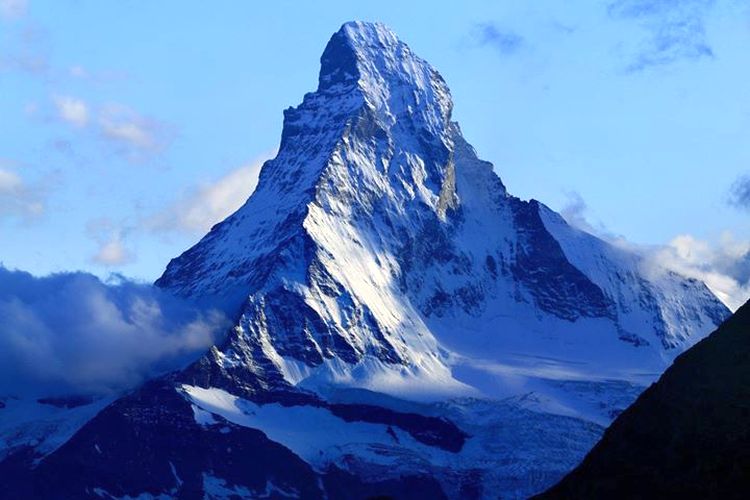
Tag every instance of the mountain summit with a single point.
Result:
(403, 325)
(378, 250)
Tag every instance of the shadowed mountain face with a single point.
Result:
(687, 436)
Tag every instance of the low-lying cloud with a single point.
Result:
(70, 333)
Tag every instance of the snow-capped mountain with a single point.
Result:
(378, 249)
(404, 325)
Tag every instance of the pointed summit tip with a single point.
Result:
(351, 47)
(369, 33)
(370, 57)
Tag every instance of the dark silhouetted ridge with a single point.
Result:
(687, 436)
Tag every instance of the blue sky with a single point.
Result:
(128, 127)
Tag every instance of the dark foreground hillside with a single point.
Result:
(687, 436)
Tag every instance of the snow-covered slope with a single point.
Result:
(378, 251)
(403, 323)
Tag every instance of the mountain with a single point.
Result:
(403, 325)
(687, 436)
(378, 249)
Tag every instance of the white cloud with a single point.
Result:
(72, 110)
(724, 266)
(112, 251)
(78, 71)
(11, 9)
(18, 198)
(135, 136)
(210, 203)
(71, 333)
(9, 181)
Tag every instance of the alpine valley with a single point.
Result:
(403, 326)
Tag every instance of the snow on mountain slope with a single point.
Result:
(403, 325)
(378, 251)
(39, 426)
(509, 449)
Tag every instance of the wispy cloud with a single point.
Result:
(12, 9)
(575, 213)
(72, 334)
(675, 30)
(135, 137)
(82, 73)
(72, 110)
(27, 51)
(18, 197)
(192, 214)
(739, 193)
(505, 41)
(208, 204)
(112, 252)
(110, 237)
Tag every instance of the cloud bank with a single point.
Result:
(71, 333)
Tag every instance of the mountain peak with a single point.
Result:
(362, 33)
(377, 244)
(354, 47)
(395, 82)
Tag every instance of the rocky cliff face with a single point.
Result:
(401, 321)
